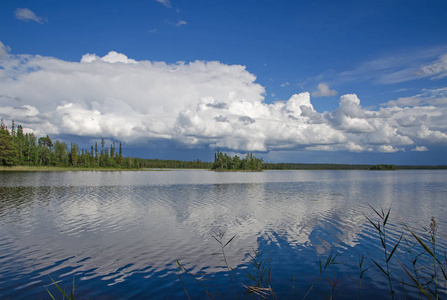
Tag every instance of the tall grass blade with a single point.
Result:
(380, 215)
(386, 218)
(383, 242)
(52, 297)
(381, 269)
(64, 294)
(73, 289)
(329, 261)
(229, 241)
(219, 237)
(177, 264)
(394, 249)
(373, 224)
(416, 282)
(420, 241)
(198, 281)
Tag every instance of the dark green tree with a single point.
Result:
(223, 161)
(20, 143)
(45, 144)
(8, 149)
(119, 159)
(74, 154)
(30, 150)
(60, 153)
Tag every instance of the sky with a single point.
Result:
(357, 82)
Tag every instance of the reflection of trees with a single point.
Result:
(16, 203)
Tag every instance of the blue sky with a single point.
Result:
(314, 81)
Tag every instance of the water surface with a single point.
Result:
(119, 233)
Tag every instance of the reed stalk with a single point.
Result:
(64, 294)
(381, 229)
(430, 288)
(219, 238)
(261, 276)
(198, 281)
(329, 261)
(362, 271)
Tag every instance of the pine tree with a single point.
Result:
(96, 153)
(45, 145)
(60, 153)
(120, 155)
(74, 154)
(8, 149)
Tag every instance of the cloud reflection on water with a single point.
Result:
(107, 227)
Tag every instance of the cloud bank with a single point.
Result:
(201, 104)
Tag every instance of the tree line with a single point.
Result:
(383, 168)
(25, 149)
(223, 161)
(316, 166)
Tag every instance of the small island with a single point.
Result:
(223, 162)
(383, 168)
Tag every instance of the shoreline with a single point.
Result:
(59, 169)
(98, 169)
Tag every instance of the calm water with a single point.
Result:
(119, 233)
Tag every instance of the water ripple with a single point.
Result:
(120, 233)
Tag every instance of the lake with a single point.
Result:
(119, 234)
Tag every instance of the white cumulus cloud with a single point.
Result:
(387, 149)
(324, 91)
(199, 104)
(420, 149)
(111, 57)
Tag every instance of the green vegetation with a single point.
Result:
(439, 167)
(223, 162)
(19, 149)
(24, 152)
(63, 293)
(297, 166)
(383, 168)
(61, 169)
(381, 229)
(173, 164)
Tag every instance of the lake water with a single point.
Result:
(118, 234)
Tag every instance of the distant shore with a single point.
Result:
(59, 169)
(296, 167)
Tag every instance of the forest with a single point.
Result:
(24, 149)
(383, 168)
(224, 162)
